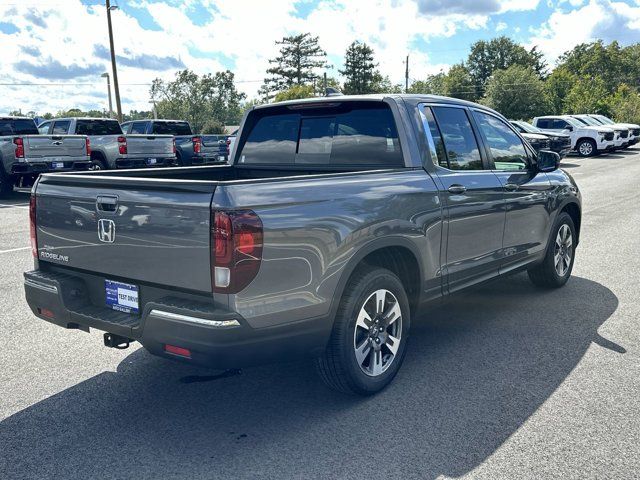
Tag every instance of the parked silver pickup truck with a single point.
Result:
(336, 222)
(24, 154)
(111, 148)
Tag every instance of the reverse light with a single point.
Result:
(32, 226)
(19, 143)
(197, 144)
(236, 242)
(122, 145)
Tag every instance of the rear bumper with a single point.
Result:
(144, 162)
(208, 159)
(214, 336)
(37, 167)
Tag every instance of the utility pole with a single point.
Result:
(116, 88)
(324, 84)
(406, 76)
(106, 75)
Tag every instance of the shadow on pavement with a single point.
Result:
(478, 366)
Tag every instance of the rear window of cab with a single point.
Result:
(349, 133)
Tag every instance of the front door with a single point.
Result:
(527, 191)
(473, 198)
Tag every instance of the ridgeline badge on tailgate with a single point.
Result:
(106, 230)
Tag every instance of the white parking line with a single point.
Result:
(14, 250)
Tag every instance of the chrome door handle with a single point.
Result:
(511, 186)
(457, 189)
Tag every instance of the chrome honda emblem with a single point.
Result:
(106, 230)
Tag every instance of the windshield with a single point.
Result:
(589, 121)
(98, 127)
(604, 120)
(572, 121)
(528, 128)
(19, 126)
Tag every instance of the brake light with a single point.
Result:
(88, 147)
(32, 226)
(236, 241)
(122, 145)
(19, 143)
(197, 144)
(174, 146)
(228, 146)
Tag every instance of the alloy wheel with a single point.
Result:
(563, 251)
(377, 336)
(586, 149)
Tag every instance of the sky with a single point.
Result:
(54, 51)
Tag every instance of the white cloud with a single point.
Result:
(501, 26)
(599, 19)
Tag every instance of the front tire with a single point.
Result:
(555, 269)
(370, 334)
(586, 147)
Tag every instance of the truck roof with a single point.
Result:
(375, 97)
(101, 119)
(13, 117)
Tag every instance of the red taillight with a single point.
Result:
(197, 144)
(45, 312)
(32, 226)
(183, 352)
(19, 143)
(236, 240)
(174, 146)
(122, 145)
(88, 147)
(228, 146)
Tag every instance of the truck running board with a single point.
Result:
(116, 341)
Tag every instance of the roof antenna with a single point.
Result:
(332, 92)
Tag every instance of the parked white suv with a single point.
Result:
(621, 135)
(585, 140)
(634, 129)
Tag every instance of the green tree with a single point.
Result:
(588, 95)
(498, 54)
(625, 105)
(597, 61)
(432, 85)
(300, 57)
(212, 127)
(360, 69)
(517, 92)
(557, 87)
(458, 83)
(137, 115)
(198, 99)
(295, 92)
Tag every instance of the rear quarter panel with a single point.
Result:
(314, 228)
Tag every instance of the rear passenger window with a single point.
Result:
(458, 138)
(438, 153)
(339, 135)
(507, 150)
(61, 128)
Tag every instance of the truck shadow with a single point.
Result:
(478, 367)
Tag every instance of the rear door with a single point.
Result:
(473, 197)
(527, 191)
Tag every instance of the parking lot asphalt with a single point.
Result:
(506, 381)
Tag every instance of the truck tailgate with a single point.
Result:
(145, 145)
(124, 228)
(39, 146)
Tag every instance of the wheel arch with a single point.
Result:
(573, 210)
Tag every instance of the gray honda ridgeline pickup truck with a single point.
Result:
(337, 219)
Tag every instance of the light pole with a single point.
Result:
(113, 61)
(106, 75)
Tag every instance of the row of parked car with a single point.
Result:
(68, 144)
(587, 134)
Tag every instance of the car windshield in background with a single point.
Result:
(589, 121)
(171, 128)
(605, 120)
(361, 134)
(572, 121)
(21, 126)
(527, 127)
(98, 127)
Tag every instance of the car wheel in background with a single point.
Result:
(586, 147)
(370, 333)
(555, 269)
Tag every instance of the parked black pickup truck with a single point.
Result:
(337, 221)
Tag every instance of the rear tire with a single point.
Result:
(555, 269)
(586, 147)
(97, 163)
(370, 334)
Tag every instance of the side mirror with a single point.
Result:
(569, 128)
(548, 161)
